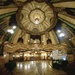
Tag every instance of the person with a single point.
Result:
(10, 66)
(71, 68)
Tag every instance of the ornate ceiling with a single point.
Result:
(36, 18)
(11, 48)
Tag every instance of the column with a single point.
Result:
(17, 34)
(44, 41)
(53, 37)
(26, 38)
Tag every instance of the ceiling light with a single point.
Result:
(14, 27)
(10, 31)
(4, 55)
(34, 41)
(69, 39)
(36, 18)
(35, 52)
(13, 55)
(58, 31)
(61, 35)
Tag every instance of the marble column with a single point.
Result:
(17, 34)
(53, 37)
(26, 38)
(65, 4)
(44, 41)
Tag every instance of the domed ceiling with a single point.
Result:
(36, 17)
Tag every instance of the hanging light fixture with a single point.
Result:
(36, 21)
(36, 18)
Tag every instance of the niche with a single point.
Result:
(20, 40)
(49, 41)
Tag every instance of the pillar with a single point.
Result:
(53, 37)
(26, 38)
(44, 41)
(17, 34)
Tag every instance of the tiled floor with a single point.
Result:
(36, 68)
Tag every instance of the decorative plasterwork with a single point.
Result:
(37, 14)
(36, 18)
(34, 47)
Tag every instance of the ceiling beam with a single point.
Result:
(67, 23)
(6, 15)
(7, 10)
(67, 18)
(68, 4)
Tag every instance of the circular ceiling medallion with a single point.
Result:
(36, 18)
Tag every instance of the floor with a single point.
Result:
(36, 68)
